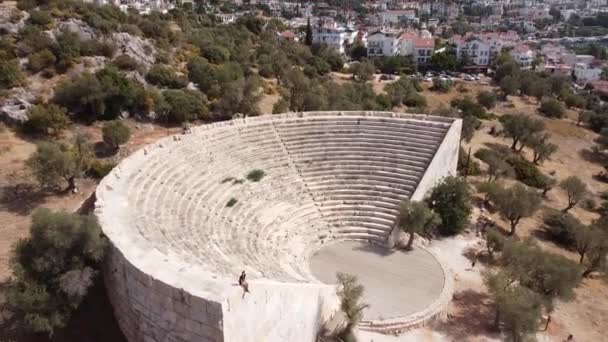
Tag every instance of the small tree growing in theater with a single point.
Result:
(350, 293)
(53, 269)
(516, 203)
(115, 133)
(416, 217)
(451, 200)
(576, 190)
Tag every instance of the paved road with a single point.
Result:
(396, 282)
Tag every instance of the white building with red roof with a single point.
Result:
(423, 50)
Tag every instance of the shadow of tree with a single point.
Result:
(593, 157)
(471, 314)
(94, 321)
(102, 150)
(378, 250)
(21, 198)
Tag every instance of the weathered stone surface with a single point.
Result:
(13, 109)
(11, 19)
(82, 29)
(329, 176)
(140, 49)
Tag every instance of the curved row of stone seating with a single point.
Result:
(345, 162)
(326, 178)
(217, 204)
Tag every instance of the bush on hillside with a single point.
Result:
(53, 269)
(552, 108)
(46, 119)
(115, 133)
(562, 226)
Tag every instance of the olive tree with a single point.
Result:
(451, 200)
(549, 276)
(576, 190)
(515, 203)
(350, 292)
(415, 217)
(598, 250)
(542, 149)
(53, 269)
(115, 133)
(520, 128)
(46, 119)
(487, 99)
(546, 184)
(517, 307)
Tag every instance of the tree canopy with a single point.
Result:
(451, 200)
(53, 269)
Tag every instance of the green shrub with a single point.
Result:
(41, 60)
(487, 99)
(552, 108)
(561, 226)
(573, 100)
(125, 62)
(165, 76)
(451, 200)
(100, 169)
(10, 74)
(185, 105)
(115, 133)
(53, 269)
(442, 86)
(41, 19)
(255, 175)
(526, 172)
(413, 99)
(474, 169)
(46, 119)
(231, 202)
(227, 179)
(238, 181)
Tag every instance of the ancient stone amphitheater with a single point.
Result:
(178, 247)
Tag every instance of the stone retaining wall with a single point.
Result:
(149, 310)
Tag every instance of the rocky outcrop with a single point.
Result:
(82, 29)
(140, 49)
(13, 109)
(11, 19)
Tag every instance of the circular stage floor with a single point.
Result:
(397, 283)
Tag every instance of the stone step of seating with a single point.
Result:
(327, 153)
(380, 137)
(292, 129)
(426, 148)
